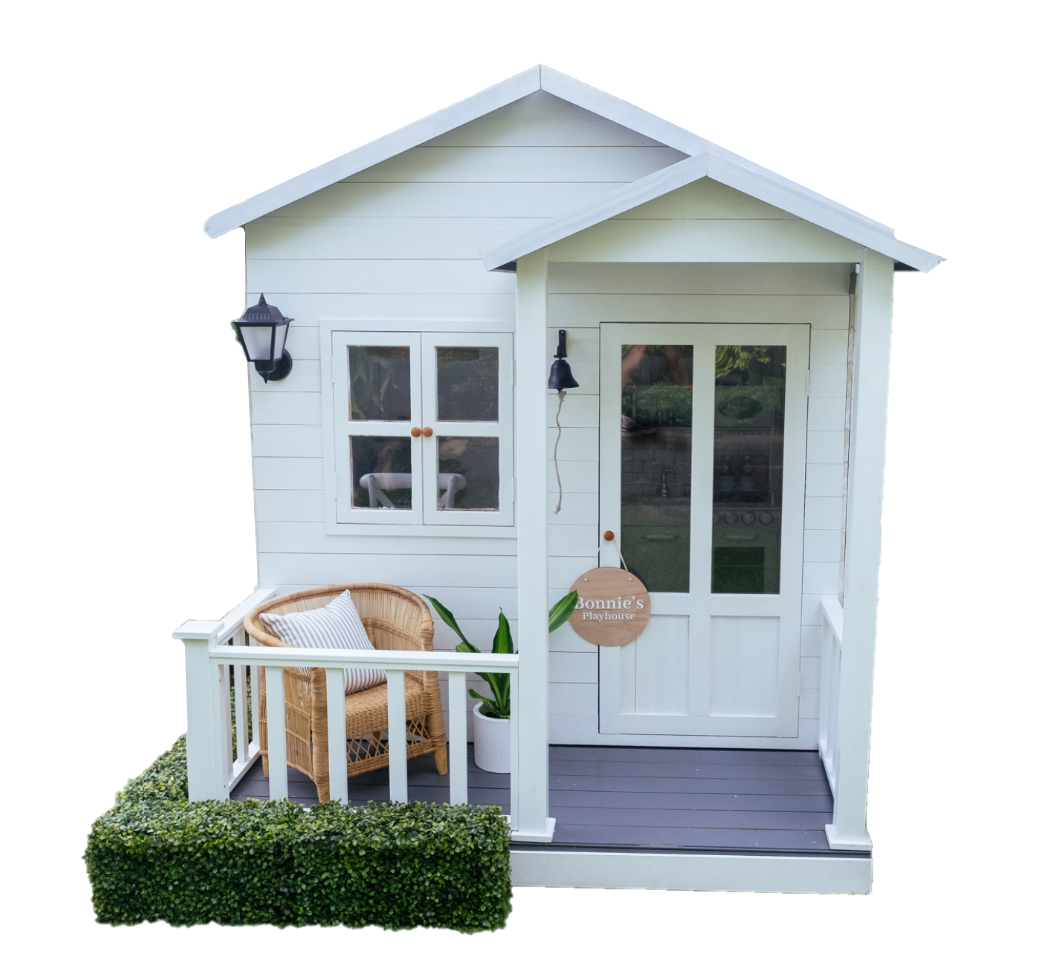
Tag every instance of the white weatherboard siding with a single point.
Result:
(583, 295)
(400, 241)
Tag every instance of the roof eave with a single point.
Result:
(427, 128)
(747, 179)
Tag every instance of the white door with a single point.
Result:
(702, 482)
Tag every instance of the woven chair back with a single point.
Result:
(394, 618)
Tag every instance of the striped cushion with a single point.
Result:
(336, 626)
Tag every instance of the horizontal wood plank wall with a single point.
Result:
(401, 241)
(583, 295)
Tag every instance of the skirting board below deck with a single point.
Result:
(691, 872)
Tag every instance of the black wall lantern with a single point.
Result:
(262, 332)
(560, 372)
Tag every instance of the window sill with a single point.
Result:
(425, 530)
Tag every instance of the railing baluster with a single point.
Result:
(515, 746)
(256, 687)
(336, 680)
(397, 744)
(255, 673)
(826, 641)
(240, 701)
(227, 725)
(275, 731)
(457, 790)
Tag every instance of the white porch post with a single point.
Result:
(862, 549)
(205, 753)
(530, 819)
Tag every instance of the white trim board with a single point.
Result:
(790, 874)
(743, 177)
(539, 78)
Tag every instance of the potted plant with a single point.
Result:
(492, 715)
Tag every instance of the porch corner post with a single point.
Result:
(204, 749)
(532, 821)
(862, 549)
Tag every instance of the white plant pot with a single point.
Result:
(491, 742)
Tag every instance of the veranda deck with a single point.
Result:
(638, 799)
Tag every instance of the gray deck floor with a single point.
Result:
(638, 798)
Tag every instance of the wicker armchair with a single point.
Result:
(395, 619)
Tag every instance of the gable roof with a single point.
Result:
(539, 78)
(742, 176)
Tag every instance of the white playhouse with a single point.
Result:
(705, 344)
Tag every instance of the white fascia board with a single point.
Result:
(436, 124)
(428, 128)
(746, 179)
(517, 87)
(587, 97)
(821, 212)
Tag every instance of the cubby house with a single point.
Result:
(728, 331)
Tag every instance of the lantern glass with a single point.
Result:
(258, 340)
(281, 331)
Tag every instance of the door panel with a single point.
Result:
(702, 482)
(661, 686)
(744, 653)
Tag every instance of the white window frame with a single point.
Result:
(503, 430)
(344, 427)
(422, 337)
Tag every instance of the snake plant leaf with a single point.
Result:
(499, 705)
(562, 610)
(490, 707)
(502, 642)
(450, 621)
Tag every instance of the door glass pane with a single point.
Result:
(380, 384)
(468, 384)
(381, 472)
(748, 468)
(468, 473)
(656, 460)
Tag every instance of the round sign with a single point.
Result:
(613, 606)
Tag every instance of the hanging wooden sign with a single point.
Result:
(613, 606)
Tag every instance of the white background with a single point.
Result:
(127, 504)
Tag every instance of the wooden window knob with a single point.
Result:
(609, 535)
(416, 431)
(427, 431)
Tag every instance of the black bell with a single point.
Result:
(560, 372)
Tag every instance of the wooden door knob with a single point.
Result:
(416, 431)
(609, 535)
(427, 431)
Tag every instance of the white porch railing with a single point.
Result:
(212, 648)
(843, 733)
(830, 677)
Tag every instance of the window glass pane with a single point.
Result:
(656, 460)
(468, 384)
(380, 384)
(468, 473)
(748, 468)
(381, 472)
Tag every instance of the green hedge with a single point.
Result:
(156, 856)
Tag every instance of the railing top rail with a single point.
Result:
(378, 659)
(834, 616)
(220, 630)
